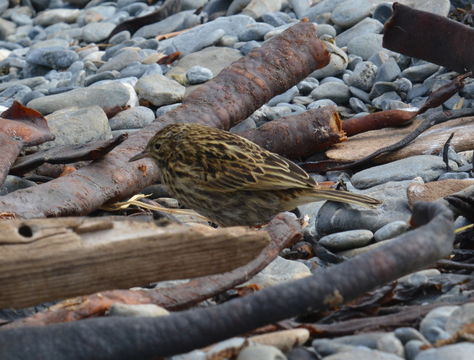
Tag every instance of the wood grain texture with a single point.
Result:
(48, 259)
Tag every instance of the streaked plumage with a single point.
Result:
(231, 180)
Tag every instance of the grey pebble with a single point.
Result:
(454, 175)
(164, 109)
(405, 334)
(363, 354)
(428, 167)
(198, 74)
(391, 230)
(417, 90)
(276, 18)
(337, 92)
(325, 29)
(385, 100)
(382, 87)
(299, 7)
(246, 124)
(77, 126)
(347, 239)
(350, 12)
(249, 46)
(459, 351)
(261, 352)
(433, 324)
(388, 71)
(97, 32)
(413, 348)
(389, 343)
(54, 57)
(133, 118)
(321, 103)
(382, 12)
(120, 37)
(360, 94)
(255, 32)
(106, 75)
(365, 45)
(159, 90)
(121, 59)
(287, 96)
(104, 95)
(358, 105)
(334, 217)
(306, 86)
(331, 79)
(324, 6)
(363, 76)
(366, 26)
(418, 73)
(172, 23)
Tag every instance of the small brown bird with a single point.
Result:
(231, 180)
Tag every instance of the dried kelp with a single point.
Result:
(311, 131)
(164, 336)
(430, 37)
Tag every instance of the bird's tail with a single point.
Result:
(345, 197)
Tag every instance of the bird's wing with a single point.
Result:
(239, 164)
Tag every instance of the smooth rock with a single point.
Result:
(350, 12)
(283, 340)
(388, 71)
(286, 97)
(363, 76)
(337, 92)
(97, 32)
(306, 86)
(366, 26)
(363, 354)
(418, 73)
(347, 239)
(133, 118)
(406, 334)
(324, 6)
(357, 105)
(75, 125)
(261, 352)
(459, 351)
(171, 23)
(321, 103)
(389, 343)
(391, 230)
(365, 45)
(198, 74)
(360, 94)
(277, 19)
(121, 60)
(438, 7)
(204, 35)
(382, 87)
(382, 12)
(256, 8)
(299, 7)
(54, 16)
(249, 46)
(386, 100)
(164, 109)
(460, 317)
(107, 96)
(428, 167)
(433, 324)
(413, 348)
(334, 217)
(52, 57)
(278, 271)
(159, 90)
(255, 32)
(325, 29)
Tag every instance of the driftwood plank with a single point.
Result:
(48, 259)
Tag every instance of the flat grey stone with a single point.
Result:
(286, 97)
(54, 16)
(159, 90)
(335, 217)
(363, 354)
(204, 35)
(136, 310)
(366, 26)
(360, 94)
(347, 239)
(337, 92)
(358, 105)
(121, 60)
(418, 73)
(277, 19)
(363, 76)
(389, 343)
(433, 324)
(77, 126)
(52, 57)
(133, 118)
(324, 6)
(391, 230)
(107, 96)
(97, 32)
(278, 271)
(438, 7)
(386, 100)
(13, 183)
(164, 109)
(299, 7)
(261, 352)
(321, 103)
(255, 32)
(198, 74)
(428, 167)
(256, 8)
(388, 71)
(365, 45)
(325, 29)
(405, 334)
(382, 87)
(350, 12)
(413, 348)
(383, 11)
(459, 351)
(172, 23)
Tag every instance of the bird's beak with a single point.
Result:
(141, 155)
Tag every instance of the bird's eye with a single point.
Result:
(157, 146)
